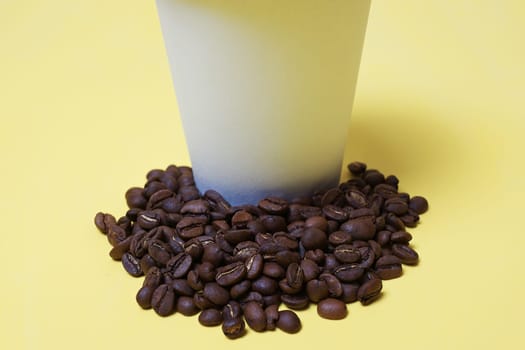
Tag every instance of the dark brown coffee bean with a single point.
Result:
(339, 237)
(410, 220)
(334, 212)
(252, 296)
(264, 285)
(163, 300)
(201, 301)
(365, 213)
(213, 254)
(332, 309)
(144, 296)
(295, 301)
(206, 272)
(369, 291)
(216, 294)
(346, 254)
(178, 266)
(294, 275)
(100, 223)
(274, 205)
(273, 270)
(394, 221)
(418, 204)
(286, 257)
(194, 280)
(217, 201)
(181, 287)
(385, 191)
(335, 289)
(194, 248)
(245, 250)
(233, 326)
(195, 207)
(356, 199)
(131, 265)
(317, 290)
(349, 272)
(147, 263)
(231, 274)
(349, 292)
(186, 306)
(149, 219)
(360, 228)
(288, 322)
(156, 200)
(373, 177)
(254, 266)
(241, 219)
(255, 316)
(210, 317)
(116, 234)
(313, 238)
(400, 237)
(406, 254)
(135, 198)
(286, 240)
(273, 223)
(357, 168)
(237, 236)
(396, 205)
(316, 255)
(330, 262)
(388, 267)
(383, 237)
(121, 248)
(376, 248)
(367, 256)
(272, 316)
(191, 226)
(318, 222)
(310, 269)
(287, 289)
(240, 289)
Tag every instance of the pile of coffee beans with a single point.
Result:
(235, 265)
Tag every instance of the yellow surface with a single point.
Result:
(86, 108)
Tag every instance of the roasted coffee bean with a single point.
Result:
(194, 248)
(383, 237)
(376, 248)
(163, 300)
(388, 267)
(317, 221)
(294, 275)
(346, 253)
(335, 289)
(131, 265)
(310, 269)
(100, 222)
(316, 255)
(186, 306)
(120, 248)
(274, 299)
(273, 223)
(288, 322)
(367, 257)
(406, 254)
(362, 228)
(274, 205)
(201, 301)
(181, 287)
(194, 280)
(349, 272)
(240, 289)
(392, 180)
(287, 289)
(400, 237)
(264, 285)
(410, 220)
(255, 316)
(195, 207)
(178, 266)
(148, 219)
(317, 290)
(191, 226)
(116, 234)
(237, 236)
(254, 266)
(349, 292)
(361, 213)
(418, 204)
(330, 262)
(241, 219)
(231, 274)
(273, 270)
(272, 316)
(206, 272)
(334, 212)
(210, 317)
(144, 296)
(356, 199)
(373, 177)
(217, 201)
(295, 301)
(339, 237)
(156, 200)
(245, 250)
(216, 294)
(313, 238)
(369, 291)
(233, 326)
(213, 254)
(135, 198)
(286, 257)
(394, 221)
(147, 263)
(285, 240)
(396, 205)
(332, 309)
(357, 168)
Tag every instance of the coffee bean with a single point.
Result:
(362, 228)
(210, 317)
(240, 289)
(346, 253)
(369, 291)
(334, 212)
(131, 265)
(135, 198)
(335, 289)
(186, 306)
(147, 263)
(255, 316)
(201, 301)
(310, 269)
(418, 204)
(285, 240)
(241, 219)
(191, 226)
(332, 309)
(216, 294)
(144, 296)
(272, 316)
(406, 254)
(317, 290)
(254, 266)
(178, 266)
(339, 237)
(273, 223)
(264, 285)
(206, 272)
(294, 275)
(357, 168)
(295, 301)
(273, 270)
(388, 267)
(356, 199)
(373, 177)
(233, 326)
(396, 205)
(313, 238)
(194, 280)
(163, 300)
(274, 205)
(349, 294)
(195, 207)
(120, 248)
(288, 322)
(181, 287)
(231, 274)
(400, 237)
(348, 272)
(116, 234)
(318, 222)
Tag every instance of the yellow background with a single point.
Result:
(87, 107)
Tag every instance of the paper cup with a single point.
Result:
(265, 90)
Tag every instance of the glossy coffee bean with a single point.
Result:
(418, 204)
(332, 309)
(288, 322)
(255, 316)
(210, 317)
(369, 291)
